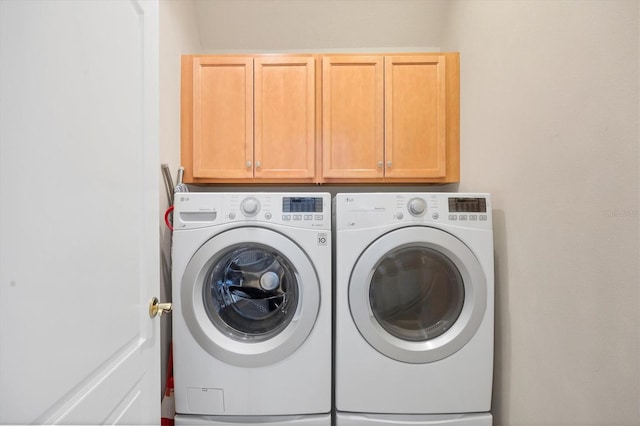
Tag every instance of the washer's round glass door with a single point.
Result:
(251, 293)
(250, 296)
(417, 294)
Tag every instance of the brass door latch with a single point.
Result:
(157, 309)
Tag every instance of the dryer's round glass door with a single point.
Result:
(416, 293)
(251, 293)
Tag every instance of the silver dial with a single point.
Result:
(417, 206)
(250, 206)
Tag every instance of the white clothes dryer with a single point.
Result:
(252, 304)
(467, 419)
(414, 304)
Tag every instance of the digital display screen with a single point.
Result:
(302, 204)
(467, 205)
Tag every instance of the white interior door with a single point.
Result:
(79, 194)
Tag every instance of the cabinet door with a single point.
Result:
(222, 107)
(415, 116)
(284, 117)
(352, 121)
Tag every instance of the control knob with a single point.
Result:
(417, 206)
(250, 206)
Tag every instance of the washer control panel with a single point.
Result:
(301, 210)
(250, 206)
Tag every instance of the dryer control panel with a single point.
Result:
(361, 210)
(300, 210)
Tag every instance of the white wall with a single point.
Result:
(309, 25)
(178, 35)
(549, 125)
(549, 116)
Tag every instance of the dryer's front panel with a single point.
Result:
(250, 296)
(417, 294)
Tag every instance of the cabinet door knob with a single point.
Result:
(389, 164)
(258, 164)
(248, 163)
(380, 164)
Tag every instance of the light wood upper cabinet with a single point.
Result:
(284, 117)
(391, 118)
(222, 123)
(248, 119)
(321, 118)
(352, 120)
(415, 117)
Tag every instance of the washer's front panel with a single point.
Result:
(252, 293)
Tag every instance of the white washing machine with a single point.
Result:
(305, 420)
(414, 305)
(252, 307)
